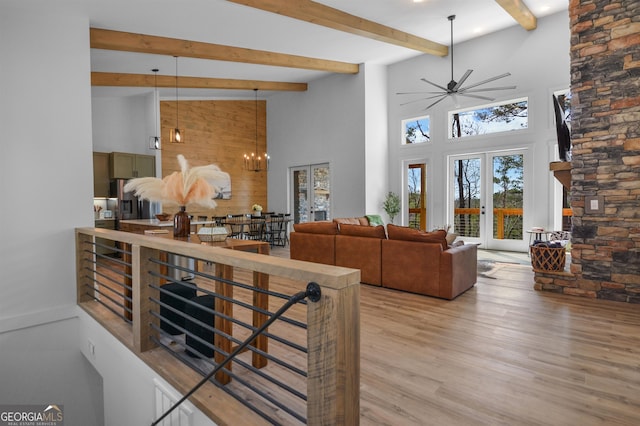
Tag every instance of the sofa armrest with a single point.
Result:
(458, 270)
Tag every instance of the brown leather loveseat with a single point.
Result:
(401, 258)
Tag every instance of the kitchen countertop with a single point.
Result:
(156, 222)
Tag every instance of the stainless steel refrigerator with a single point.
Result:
(129, 206)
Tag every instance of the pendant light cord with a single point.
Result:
(451, 18)
(256, 108)
(177, 115)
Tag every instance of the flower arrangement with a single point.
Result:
(195, 185)
(256, 208)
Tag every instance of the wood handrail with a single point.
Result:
(333, 327)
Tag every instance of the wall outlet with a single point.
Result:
(91, 349)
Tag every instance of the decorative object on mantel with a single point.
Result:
(562, 130)
(154, 141)
(257, 209)
(177, 134)
(254, 162)
(196, 185)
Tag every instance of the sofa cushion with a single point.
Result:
(352, 220)
(324, 227)
(405, 233)
(363, 231)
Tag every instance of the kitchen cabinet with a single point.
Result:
(124, 165)
(100, 174)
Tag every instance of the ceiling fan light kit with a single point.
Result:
(454, 88)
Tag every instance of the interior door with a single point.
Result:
(487, 198)
(311, 193)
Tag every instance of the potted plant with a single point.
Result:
(391, 205)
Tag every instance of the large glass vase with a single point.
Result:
(181, 223)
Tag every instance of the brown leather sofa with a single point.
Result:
(401, 258)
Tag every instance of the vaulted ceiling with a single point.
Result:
(225, 49)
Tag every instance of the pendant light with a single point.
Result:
(255, 162)
(177, 134)
(154, 141)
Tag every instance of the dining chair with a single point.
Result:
(235, 223)
(256, 228)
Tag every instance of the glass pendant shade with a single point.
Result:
(177, 135)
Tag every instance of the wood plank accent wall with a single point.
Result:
(218, 132)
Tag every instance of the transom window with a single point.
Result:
(416, 130)
(499, 117)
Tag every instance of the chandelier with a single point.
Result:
(256, 162)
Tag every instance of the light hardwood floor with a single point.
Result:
(500, 354)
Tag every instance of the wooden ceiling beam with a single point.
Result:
(141, 43)
(146, 80)
(320, 14)
(520, 12)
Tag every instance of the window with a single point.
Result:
(417, 191)
(494, 118)
(416, 130)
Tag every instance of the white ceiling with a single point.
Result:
(223, 22)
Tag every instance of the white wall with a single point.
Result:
(324, 124)
(46, 190)
(376, 138)
(128, 382)
(539, 63)
(125, 124)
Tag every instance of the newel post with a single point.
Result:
(333, 383)
(141, 265)
(84, 265)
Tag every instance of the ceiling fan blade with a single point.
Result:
(507, 74)
(420, 93)
(462, 80)
(488, 89)
(434, 84)
(439, 100)
(423, 99)
(486, 98)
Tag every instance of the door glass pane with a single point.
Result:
(508, 197)
(417, 191)
(321, 193)
(466, 197)
(300, 196)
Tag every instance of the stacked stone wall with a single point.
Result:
(605, 83)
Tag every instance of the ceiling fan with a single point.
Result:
(455, 88)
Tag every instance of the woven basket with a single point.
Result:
(548, 258)
(213, 234)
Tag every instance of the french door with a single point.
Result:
(311, 193)
(487, 198)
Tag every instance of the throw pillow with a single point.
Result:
(405, 233)
(374, 219)
(363, 231)
(451, 237)
(324, 227)
(349, 220)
